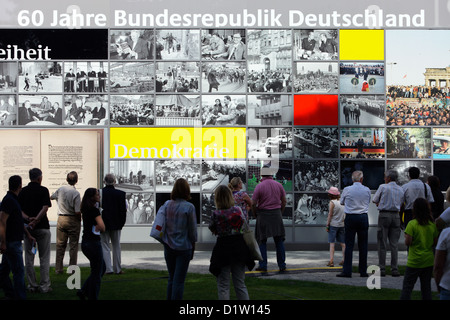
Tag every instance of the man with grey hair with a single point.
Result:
(356, 200)
(114, 213)
(389, 198)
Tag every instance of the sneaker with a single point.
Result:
(395, 274)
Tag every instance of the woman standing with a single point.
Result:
(230, 253)
(179, 237)
(241, 198)
(91, 245)
(335, 224)
(420, 235)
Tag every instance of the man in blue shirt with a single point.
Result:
(356, 199)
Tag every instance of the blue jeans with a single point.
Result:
(356, 225)
(444, 294)
(92, 249)
(12, 261)
(281, 253)
(410, 279)
(177, 262)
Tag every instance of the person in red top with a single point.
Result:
(269, 201)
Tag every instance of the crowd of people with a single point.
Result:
(131, 113)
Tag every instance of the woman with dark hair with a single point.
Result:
(420, 236)
(90, 243)
(437, 207)
(179, 237)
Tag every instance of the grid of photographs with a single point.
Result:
(307, 113)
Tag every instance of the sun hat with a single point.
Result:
(334, 191)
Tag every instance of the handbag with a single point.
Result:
(158, 228)
(252, 244)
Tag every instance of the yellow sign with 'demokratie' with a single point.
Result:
(178, 143)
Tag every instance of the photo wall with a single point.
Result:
(316, 104)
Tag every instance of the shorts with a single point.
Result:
(336, 234)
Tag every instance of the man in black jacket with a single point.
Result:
(114, 212)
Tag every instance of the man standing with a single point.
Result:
(35, 201)
(114, 215)
(69, 221)
(414, 189)
(389, 199)
(356, 200)
(11, 235)
(269, 201)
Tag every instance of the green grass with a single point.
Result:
(138, 284)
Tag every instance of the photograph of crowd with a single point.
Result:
(373, 172)
(89, 110)
(133, 175)
(408, 143)
(362, 143)
(82, 76)
(131, 44)
(131, 110)
(364, 110)
(168, 171)
(223, 77)
(225, 110)
(316, 175)
(215, 173)
(8, 77)
(172, 44)
(177, 110)
(177, 76)
(269, 143)
(441, 143)
(402, 167)
(282, 173)
(40, 110)
(312, 44)
(311, 208)
(316, 143)
(132, 77)
(8, 110)
(270, 110)
(140, 208)
(315, 77)
(361, 78)
(40, 76)
(228, 44)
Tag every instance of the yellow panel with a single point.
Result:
(361, 44)
(178, 143)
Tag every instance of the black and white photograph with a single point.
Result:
(311, 44)
(140, 208)
(362, 110)
(362, 143)
(441, 169)
(137, 44)
(315, 77)
(126, 77)
(282, 172)
(270, 110)
(173, 44)
(161, 198)
(177, 110)
(361, 78)
(133, 175)
(40, 110)
(226, 110)
(402, 167)
(8, 77)
(168, 171)
(216, 173)
(86, 76)
(408, 143)
(269, 60)
(182, 76)
(208, 207)
(269, 143)
(132, 110)
(223, 44)
(316, 143)
(40, 76)
(223, 77)
(373, 172)
(315, 176)
(88, 110)
(311, 208)
(8, 110)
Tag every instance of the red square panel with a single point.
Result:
(316, 110)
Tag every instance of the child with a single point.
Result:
(335, 224)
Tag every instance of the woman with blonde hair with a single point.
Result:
(241, 198)
(230, 253)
